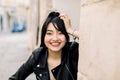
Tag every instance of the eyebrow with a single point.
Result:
(49, 30)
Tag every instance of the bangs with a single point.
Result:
(59, 24)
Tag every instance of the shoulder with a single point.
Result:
(37, 52)
(73, 44)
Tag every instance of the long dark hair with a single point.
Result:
(53, 18)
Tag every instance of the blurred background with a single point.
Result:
(97, 20)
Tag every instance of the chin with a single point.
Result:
(55, 50)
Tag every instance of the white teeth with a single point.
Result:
(55, 44)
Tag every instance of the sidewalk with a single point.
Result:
(13, 52)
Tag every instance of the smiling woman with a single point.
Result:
(57, 57)
(54, 39)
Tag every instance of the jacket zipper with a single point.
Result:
(69, 71)
(38, 77)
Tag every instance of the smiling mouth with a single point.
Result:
(55, 44)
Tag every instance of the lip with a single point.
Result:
(55, 44)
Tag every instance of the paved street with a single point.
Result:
(13, 52)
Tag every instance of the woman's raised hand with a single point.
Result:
(66, 20)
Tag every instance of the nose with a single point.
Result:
(55, 37)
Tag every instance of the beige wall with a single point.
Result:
(99, 40)
(72, 10)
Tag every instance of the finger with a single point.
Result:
(63, 15)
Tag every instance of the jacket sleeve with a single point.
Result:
(74, 54)
(27, 68)
(74, 51)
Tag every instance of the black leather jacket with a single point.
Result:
(37, 63)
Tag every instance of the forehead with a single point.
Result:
(51, 26)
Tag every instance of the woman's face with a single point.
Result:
(54, 39)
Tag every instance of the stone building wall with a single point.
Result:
(99, 40)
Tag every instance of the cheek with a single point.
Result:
(45, 40)
(63, 38)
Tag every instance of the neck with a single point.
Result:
(54, 55)
(54, 59)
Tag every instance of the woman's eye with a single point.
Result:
(48, 33)
(60, 32)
